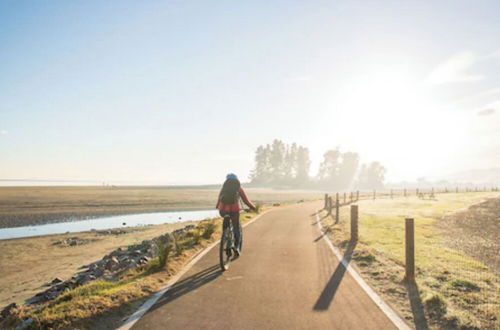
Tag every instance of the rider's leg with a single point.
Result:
(225, 223)
(235, 219)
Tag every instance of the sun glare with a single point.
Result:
(394, 117)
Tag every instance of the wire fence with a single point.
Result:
(454, 258)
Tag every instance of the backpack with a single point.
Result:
(229, 192)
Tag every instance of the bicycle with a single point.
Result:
(227, 249)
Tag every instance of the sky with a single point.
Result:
(182, 92)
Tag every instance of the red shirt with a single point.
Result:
(235, 207)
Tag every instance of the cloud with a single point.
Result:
(4, 132)
(486, 112)
(456, 69)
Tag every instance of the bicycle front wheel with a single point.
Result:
(225, 249)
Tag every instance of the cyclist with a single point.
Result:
(227, 203)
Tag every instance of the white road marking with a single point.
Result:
(388, 311)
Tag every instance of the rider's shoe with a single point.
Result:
(237, 253)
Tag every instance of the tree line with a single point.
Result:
(288, 165)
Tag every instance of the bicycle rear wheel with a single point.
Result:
(225, 249)
(241, 239)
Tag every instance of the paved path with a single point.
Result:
(287, 278)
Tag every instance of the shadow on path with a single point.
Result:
(325, 299)
(417, 308)
(188, 284)
(317, 212)
(323, 217)
(319, 237)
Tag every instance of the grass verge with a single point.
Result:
(453, 290)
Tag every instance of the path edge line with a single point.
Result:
(132, 319)
(384, 307)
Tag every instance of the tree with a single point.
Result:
(329, 168)
(290, 163)
(261, 172)
(276, 160)
(348, 169)
(303, 165)
(372, 176)
(281, 164)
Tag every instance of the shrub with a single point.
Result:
(464, 285)
(163, 253)
(435, 306)
(208, 230)
(364, 256)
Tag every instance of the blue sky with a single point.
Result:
(184, 91)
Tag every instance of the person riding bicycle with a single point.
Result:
(228, 204)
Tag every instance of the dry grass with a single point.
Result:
(21, 206)
(46, 261)
(104, 304)
(475, 231)
(455, 289)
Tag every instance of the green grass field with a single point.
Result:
(455, 288)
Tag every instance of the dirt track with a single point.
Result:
(287, 278)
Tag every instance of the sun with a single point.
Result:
(388, 114)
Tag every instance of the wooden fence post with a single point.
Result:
(330, 205)
(410, 249)
(337, 208)
(345, 198)
(354, 223)
(326, 202)
(351, 196)
(357, 195)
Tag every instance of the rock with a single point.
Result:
(189, 227)
(98, 272)
(34, 300)
(84, 278)
(118, 252)
(112, 263)
(56, 280)
(179, 232)
(166, 238)
(136, 253)
(8, 310)
(26, 324)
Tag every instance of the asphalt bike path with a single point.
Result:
(286, 278)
